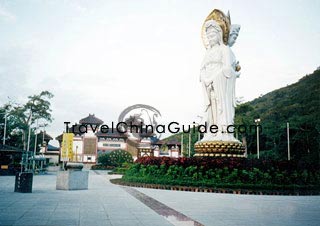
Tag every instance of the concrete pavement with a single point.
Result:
(107, 204)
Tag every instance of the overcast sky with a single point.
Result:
(103, 56)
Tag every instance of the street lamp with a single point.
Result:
(28, 144)
(5, 123)
(198, 124)
(189, 151)
(288, 138)
(5, 128)
(35, 147)
(181, 144)
(257, 121)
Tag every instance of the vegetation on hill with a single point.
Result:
(298, 104)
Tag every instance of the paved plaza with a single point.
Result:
(108, 204)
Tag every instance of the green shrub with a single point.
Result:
(118, 157)
(104, 159)
(115, 158)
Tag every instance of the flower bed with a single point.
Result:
(235, 173)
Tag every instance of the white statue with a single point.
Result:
(218, 75)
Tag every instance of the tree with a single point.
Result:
(243, 118)
(22, 116)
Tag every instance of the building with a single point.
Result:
(10, 159)
(169, 148)
(89, 142)
(48, 151)
(111, 141)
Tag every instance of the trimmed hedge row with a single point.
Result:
(222, 172)
(230, 163)
(226, 188)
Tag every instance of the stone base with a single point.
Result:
(219, 149)
(72, 180)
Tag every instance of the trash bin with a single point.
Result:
(23, 182)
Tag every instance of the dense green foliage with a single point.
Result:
(298, 104)
(213, 172)
(19, 118)
(115, 158)
(104, 159)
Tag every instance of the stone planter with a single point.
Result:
(73, 178)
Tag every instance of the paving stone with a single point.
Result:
(107, 204)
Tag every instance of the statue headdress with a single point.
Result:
(222, 20)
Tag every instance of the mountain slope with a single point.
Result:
(298, 104)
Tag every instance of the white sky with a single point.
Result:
(103, 56)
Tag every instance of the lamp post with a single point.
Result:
(5, 123)
(5, 128)
(198, 124)
(189, 145)
(288, 137)
(28, 145)
(257, 121)
(35, 148)
(182, 144)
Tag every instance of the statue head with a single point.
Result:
(234, 32)
(213, 33)
(222, 20)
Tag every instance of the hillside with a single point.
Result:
(298, 104)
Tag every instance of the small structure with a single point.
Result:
(169, 148)
(73, 178)
(10, 158)
(23, 182)
(145, 144)
(50, 152)
(144, 148)
(174, 148)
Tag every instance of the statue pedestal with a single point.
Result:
(219, 149)
(73, 178)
